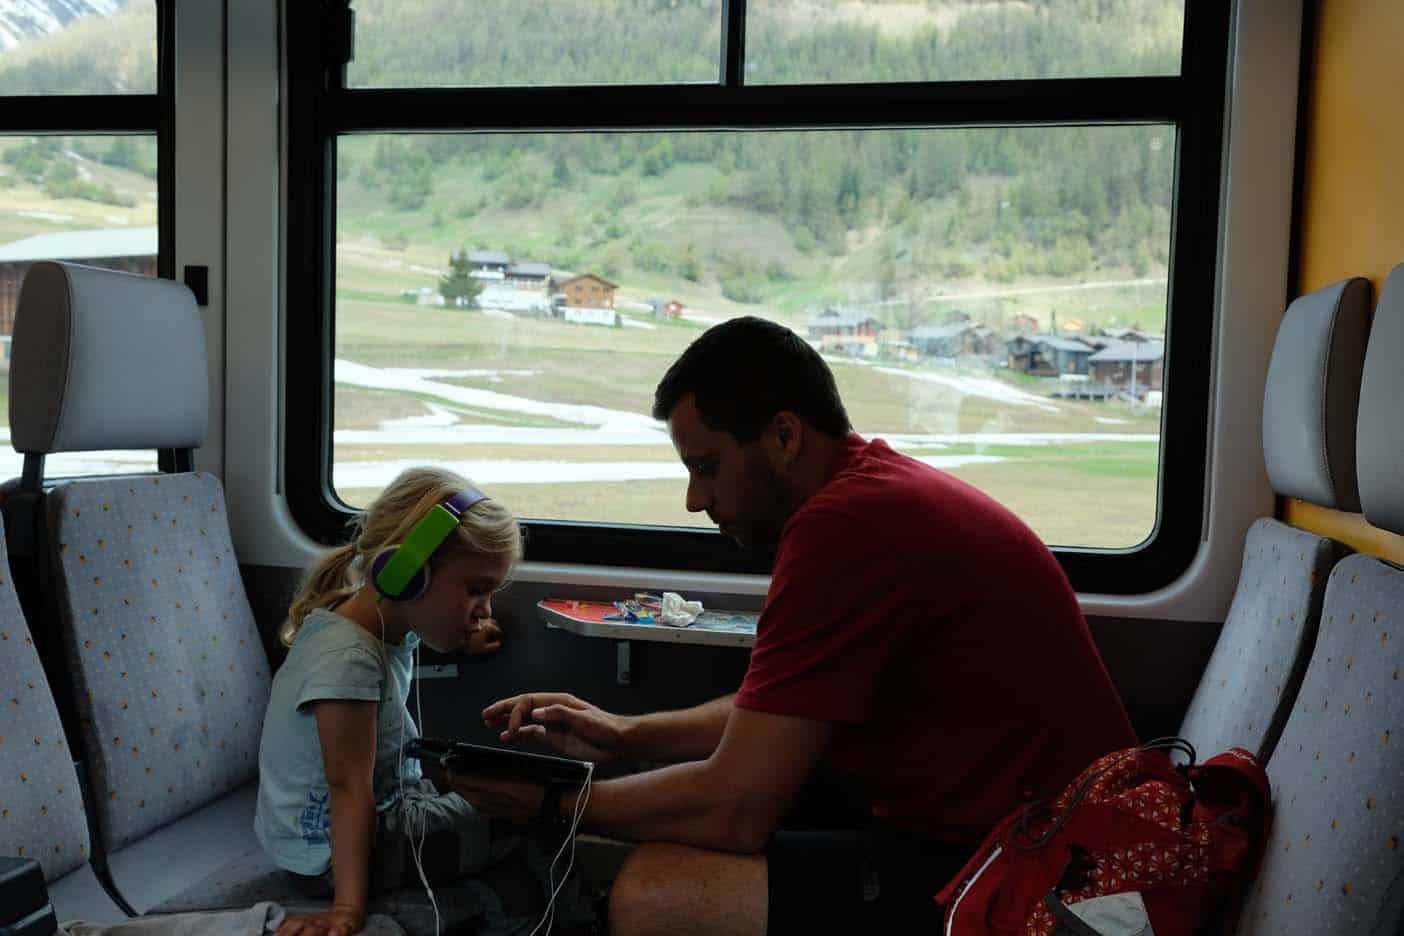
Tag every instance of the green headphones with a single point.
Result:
(401, 573)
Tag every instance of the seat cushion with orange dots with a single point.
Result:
(1246, 691)
(1335, 858)
(41, 808)
(41, 805)
(170, 677)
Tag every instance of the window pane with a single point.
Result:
(992, 301)
(88, 199)
(960, 40)
(484, 43)
(78, 47)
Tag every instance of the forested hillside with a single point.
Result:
(784, 219)
(77, 46)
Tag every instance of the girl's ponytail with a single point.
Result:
(328, 582)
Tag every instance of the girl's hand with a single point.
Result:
(340, 920)
(486, 639)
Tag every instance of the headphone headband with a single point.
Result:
(402, 572)
(459, 503)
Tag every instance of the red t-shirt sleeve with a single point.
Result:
(831, 623)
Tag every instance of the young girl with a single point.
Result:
(338, 805)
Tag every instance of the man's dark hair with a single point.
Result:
(746, 370)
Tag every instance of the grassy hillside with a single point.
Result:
(705, 234)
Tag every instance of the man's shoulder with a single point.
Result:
(877, 479)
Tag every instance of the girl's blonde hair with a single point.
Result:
(487, 528)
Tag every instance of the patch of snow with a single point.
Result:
(501, 435)
(436, 417)
(363, 375)
(79, 463)
(986, 387)
(375, 474)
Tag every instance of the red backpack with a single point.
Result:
(1136, 844)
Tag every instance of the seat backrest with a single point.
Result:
(1309, 417)
(1335, 859)
(170, 679)
(41, 804)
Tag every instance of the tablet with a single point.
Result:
(501, 763)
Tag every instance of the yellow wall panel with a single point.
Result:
(1352, 221)
(1348, 528)
(1352, 218)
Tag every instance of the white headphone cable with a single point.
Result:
(548, 919)
(415, 849)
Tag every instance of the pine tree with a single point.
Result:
(459, 288)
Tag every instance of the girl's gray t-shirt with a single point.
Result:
(332, 658)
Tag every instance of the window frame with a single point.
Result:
(116, 114)
(320, 109)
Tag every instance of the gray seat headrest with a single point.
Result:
(106, 360)
(1380, 436)
(1313, 393)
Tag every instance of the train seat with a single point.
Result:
(1309, 420)
(169, 676)
(1335, 861)
(41, 803)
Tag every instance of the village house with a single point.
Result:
(1136, 367)
(586, 299)
(1130, 334)
(527, 274)
(851, 332)
(488, 264)
(1050, 355)
(522, 288)
(956, 339)
(671, 309)
(132, 250)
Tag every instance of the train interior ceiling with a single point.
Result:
(1065, 289)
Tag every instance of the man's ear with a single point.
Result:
(789, 435)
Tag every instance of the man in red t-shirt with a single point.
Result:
(918, 641)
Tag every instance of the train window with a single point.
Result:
(80, 160)
(106, 47)
(1011, 279)
(965, 40)
(991, 301)
(509, 42)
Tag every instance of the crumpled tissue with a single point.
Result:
(676, 612)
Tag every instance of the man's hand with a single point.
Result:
(486, 639)
(340, 920)
(509, 800)
(564, 723)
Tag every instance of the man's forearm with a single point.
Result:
(683, 803)
(684, 735)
